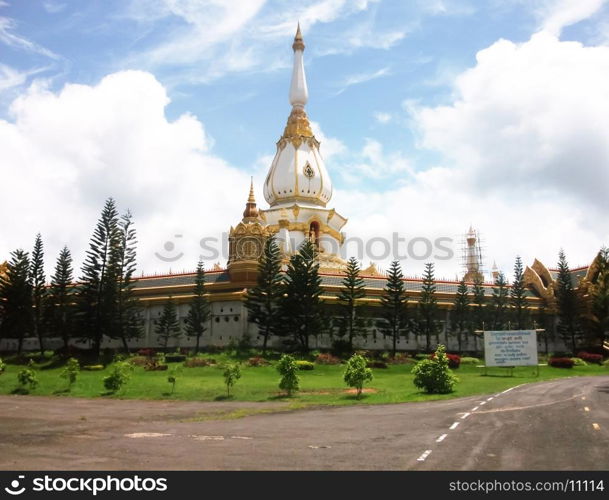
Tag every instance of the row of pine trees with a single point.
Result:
(99, 304)
(284, 303)
(289, 305)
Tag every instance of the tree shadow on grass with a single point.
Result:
(21, 391)
(280, 397)
(353, 397)
(224, 397)
(61, 391)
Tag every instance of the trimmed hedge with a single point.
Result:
(305, 365)
(589, 357)
(561, 362)
(93, 368)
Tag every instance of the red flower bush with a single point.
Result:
(327, 359)
(257, 361)
(561, 362)
(454, 360)
(590, 358)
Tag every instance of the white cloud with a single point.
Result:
(53, 7)
(525, 142)
(359, 78)
(382, 117)
(555, 15)
(65, 153)
(217, 38)
(11, 39)
(529, 119)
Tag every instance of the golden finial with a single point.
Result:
(251, 198)
(251, 211)
(298, 40)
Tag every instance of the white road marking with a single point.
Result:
(240, 437)
(454, 426)
(137, 435)
(483, 403)
(441, 438)
(507, 390)
(424, 456)
(207, 438)
(475, 408)
(586, 408)
(490, 399)
(583, 397)
(314, 447)
(465, 415)
(596, 427)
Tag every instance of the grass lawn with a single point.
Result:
(322, 386)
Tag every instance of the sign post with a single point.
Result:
(509, 348)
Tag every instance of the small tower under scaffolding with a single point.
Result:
(472, 256)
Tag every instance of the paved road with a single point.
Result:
(557, 425)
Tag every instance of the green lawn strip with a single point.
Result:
(322, 386)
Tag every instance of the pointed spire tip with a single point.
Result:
(298, 40)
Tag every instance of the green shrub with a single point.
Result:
(434, 375)
(289, 377)
(118, 377)
(70, 371)
(2, 366)
(173, 377)
(357, 373)
(232, 373)
(467, 360)
(421, 356)
(27, 379)
(93, 368)
(175, 358)
(198, 362)
(579, 362)
(305, 365)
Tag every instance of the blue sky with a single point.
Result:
(397, 92)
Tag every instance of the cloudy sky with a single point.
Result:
(433, 115)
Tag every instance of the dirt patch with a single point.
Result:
(364, 391)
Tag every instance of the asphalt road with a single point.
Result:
(556, 425)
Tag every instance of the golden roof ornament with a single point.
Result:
(251, 210)
(298, 41)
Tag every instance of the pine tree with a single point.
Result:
(598, 316)
(568, 327)
(60, 299)
(16, 299)
(394, 303)
(262, 301)
(97, 294)
(520, 308)
(128, 320)
(37, 279)
(199, 312)
(168, 326)
(542, 322)
(351, 292)
(428, 306)
(300, 305)
(461, 312)
(479, 310)
(499, 303)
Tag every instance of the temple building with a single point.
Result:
(298, 190)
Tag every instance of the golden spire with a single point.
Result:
(251, 211)
(298, 40)
(251, 198)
